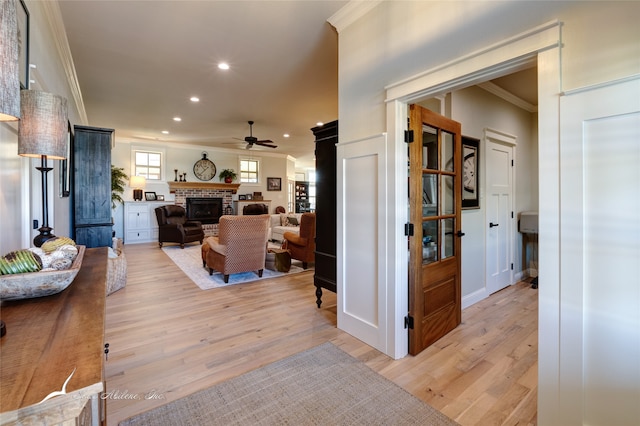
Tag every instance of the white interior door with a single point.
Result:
(599, 338)
(499, 215)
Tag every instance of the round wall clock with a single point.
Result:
(204, 169)
(469, 172)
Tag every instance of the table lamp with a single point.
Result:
(9, 73)
(137, 183)
(43, 132)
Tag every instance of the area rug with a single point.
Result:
(189, 260)
(320, 386)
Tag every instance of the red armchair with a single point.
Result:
(302, 247)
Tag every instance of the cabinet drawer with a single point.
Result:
(140, 236)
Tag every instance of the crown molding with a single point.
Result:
(351, 12)
(508, 96)
(54, 17)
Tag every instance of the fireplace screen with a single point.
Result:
(206, 210)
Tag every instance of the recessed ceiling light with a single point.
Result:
(286, 135)
(165, 132)
(177, 119)
(319, 123)
(194, 99)
(223, 66)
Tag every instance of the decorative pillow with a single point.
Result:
(291, 221)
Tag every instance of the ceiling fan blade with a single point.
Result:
(266, 145)
(264, 141)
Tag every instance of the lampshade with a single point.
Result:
(9, 70)
(137, 182)
(43, 127)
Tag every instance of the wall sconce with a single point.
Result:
(43, 133)
(137, 183)
(9, 70)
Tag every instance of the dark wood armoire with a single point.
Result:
(325, 267)
(91, 186)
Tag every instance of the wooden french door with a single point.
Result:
(435, 203)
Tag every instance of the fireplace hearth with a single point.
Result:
(206, 210)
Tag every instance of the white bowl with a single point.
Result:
(39, 284)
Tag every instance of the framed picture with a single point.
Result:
(64, 165)
(23, 43)
(248, 197)
(470, 173)
(159, 197)
(242, 197)
(150, 196)
(274, 184)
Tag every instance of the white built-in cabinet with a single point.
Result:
(140, 223)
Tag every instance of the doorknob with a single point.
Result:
(491, 224)
(460, 234)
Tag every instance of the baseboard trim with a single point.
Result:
(474, 298)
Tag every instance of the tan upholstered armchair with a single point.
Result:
(302, 247)
(241, 245)
(173, 226)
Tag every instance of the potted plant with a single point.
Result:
(118, 180)
(228, 175)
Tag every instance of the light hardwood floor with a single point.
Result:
(168, 339)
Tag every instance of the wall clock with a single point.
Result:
(470, 173)
(204, 169)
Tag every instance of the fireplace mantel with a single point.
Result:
(203, 185)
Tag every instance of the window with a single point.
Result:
(249, 171)
(148, 164)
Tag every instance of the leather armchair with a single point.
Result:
(252, 209)
(303, 246)
(241, 245)
(173, 226)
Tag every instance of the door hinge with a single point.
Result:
(511, 215)
(511, 163)
(512, 266)
(408, 322)
(408, 136)
(408, 229)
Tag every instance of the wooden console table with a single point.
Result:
(47, 339)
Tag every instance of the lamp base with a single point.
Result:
(137, 194)
(45, 234)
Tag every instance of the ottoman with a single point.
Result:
(278, 260)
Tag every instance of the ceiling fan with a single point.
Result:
(252, 140)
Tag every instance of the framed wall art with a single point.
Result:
(274, 184)
(470, 173)
(23, 43)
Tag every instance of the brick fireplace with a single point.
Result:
(184, 190)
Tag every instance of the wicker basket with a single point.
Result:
(117, 270)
